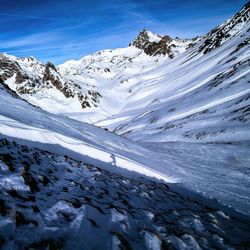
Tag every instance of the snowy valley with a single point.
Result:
(143, 147)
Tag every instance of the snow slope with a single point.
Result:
(23, 121)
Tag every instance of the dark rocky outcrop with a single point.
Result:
(106, 204)
(51, 76)
(153, 48)
(25, 83)
(162, 45)
(9, 68)
(92, 97)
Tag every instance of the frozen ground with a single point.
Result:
(51, 201)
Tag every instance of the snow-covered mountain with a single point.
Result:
(42, 84)
(157, 89)
(202, 94)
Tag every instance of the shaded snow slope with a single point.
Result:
(20, 120)
(221, 171)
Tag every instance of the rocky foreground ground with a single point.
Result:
(50, 201)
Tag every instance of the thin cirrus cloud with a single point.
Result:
(61, 30)
(30, 40)
(30, 17)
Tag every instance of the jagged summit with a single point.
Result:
(155, 44)
(144, 37)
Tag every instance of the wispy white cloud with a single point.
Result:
(30, 40)
(24, 16)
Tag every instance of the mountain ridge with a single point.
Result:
(155, 44)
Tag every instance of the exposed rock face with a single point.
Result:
(25, 83)
(84, 99)
(143, 40)
(9, 68)
(69, 89)
(51, 76)
(154, 45)
(8, 89)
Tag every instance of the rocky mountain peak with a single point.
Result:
(144, 38)
(29, 59)
(155, 44)
(50, 65)
(9, 68)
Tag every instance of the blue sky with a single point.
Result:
(60, 30)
